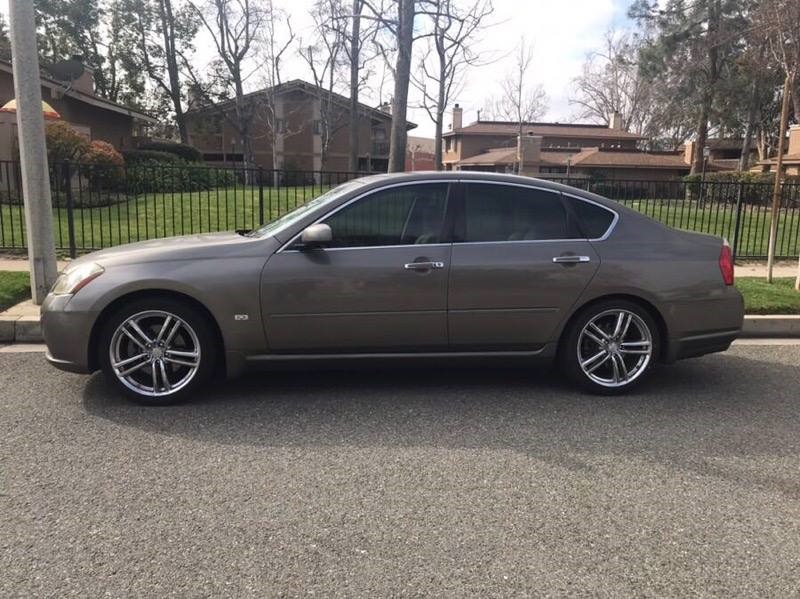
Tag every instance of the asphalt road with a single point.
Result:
(406, 482)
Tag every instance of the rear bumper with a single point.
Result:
(700, 345)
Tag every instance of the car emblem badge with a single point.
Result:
(241, 317)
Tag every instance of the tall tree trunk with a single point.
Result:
(405, 41)
(747, 142)
(168, 29)
(355, 52)
(776, 189)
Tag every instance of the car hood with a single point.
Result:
(206, 246)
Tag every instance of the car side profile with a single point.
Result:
(424, 264)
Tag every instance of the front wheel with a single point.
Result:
(610, 347)
(157, 351)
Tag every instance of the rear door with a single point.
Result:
(519, 263)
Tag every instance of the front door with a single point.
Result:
(517, 267)
(379, 286)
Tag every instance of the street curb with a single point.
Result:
(28, 329)
(20, 329)
(769, 326)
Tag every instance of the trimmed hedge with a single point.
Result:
(153, 176)
(133, 157)
(739, 177)
(184, 151)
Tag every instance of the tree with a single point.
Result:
(234, 27)
(780, 22)
(611, 82)
(164, 39)
(5, 42)
(326, 60)
(693, 44)
(519, 102)
(447, 55)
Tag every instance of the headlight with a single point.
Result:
(77, 278)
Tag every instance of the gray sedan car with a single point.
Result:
(427, 265)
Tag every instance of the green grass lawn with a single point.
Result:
(14, 287)
(720, 219)
(164, 214)
(152, 216)
(761, 297)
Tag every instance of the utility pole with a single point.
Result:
(32, 149)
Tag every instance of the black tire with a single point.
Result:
(204, 337)
(570, 352)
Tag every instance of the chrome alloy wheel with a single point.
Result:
(614, 348)
(155, 353)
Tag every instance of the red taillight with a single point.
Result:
(726, 263)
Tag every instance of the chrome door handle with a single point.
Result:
(571, 259)
(424, 265)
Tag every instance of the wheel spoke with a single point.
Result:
(154, 374)
(133, 368)
(181, 354)
(164, 377)
(615, 368)
(631, 344)
(134, 325)
(132, 336)
(626, 326)
(622, 368)
(164, 326)
(598, 331)
(635, 352)
(620, 323)
(172, 332)
(598, 364)
(130, 360)
(594, 358)
(180, 362)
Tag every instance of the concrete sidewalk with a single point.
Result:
(21, 264)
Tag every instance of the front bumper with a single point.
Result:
(67, 333)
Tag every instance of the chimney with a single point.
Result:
(529, 154)
(794, 140)
(84, 83)
(386, 107)
(616, 121)
(688, 152)
(458, 117)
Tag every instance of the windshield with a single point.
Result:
(298, 213)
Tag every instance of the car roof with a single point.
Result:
(389, 178)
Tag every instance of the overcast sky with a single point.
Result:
(562, 31)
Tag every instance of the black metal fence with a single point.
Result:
(96, 207)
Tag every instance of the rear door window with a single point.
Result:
(510, 213)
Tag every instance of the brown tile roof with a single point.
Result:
(494, 156)
(595, 157)
(579, 130)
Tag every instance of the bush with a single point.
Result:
(184, 151)
(153, 176)
(64, 143)
(133, 157)
(102, 164)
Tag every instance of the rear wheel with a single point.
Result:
(157, 351)
(610, 347)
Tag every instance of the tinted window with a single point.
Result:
(594, 220)
(506, 213)
(408, 215)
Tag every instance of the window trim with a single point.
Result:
(286, 247)
(561, 195)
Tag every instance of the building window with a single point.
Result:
(280, 126)
(316, 127)
(448, 144)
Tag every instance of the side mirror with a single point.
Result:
(316, 236)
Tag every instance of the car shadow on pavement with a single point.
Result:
(700, 415)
